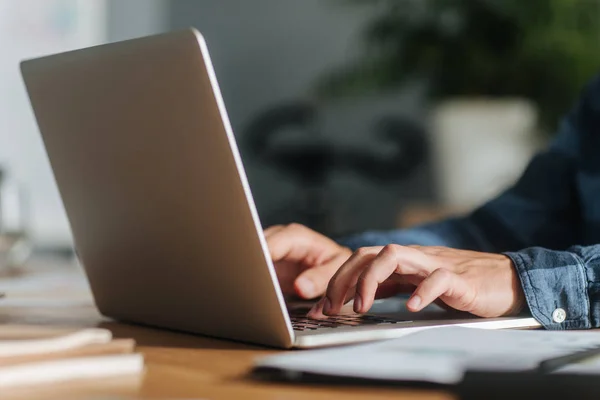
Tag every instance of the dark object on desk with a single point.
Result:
(527, 385)
(553, 364)
(278, 375)
(540, 383)
(475, 385)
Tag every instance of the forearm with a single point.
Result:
(561, 280)
(459, 233)
(541, 209)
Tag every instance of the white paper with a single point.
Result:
(441, 355)
(20, 347)
(81, 368)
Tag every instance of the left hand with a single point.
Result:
(483, 284)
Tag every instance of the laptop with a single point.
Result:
(159, 205)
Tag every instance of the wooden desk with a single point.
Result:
(177, 365)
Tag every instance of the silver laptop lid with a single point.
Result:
(155, 192)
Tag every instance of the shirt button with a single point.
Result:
(559, 315)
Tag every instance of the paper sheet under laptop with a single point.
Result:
(441, 355)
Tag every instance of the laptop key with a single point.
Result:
(302, 322)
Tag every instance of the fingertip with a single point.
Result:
(327, 308)
(358, 304)
(414, 304)
(366, 289)
(317, 310)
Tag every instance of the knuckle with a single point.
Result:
(403, 269)
(391, 249)
(295, 227)
(441, 273)
(362, 252)
(446, 253)
(436, 250)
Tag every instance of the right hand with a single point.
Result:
(304, 260)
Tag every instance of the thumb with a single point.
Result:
(313, 281)
(293, 243)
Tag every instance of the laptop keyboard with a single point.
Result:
(303, 323)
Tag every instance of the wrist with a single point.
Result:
(519, 301)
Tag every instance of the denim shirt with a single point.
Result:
(548, 224)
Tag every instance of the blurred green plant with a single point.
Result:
(542, 50)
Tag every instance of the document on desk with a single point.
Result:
(32, 354)
(438, 355)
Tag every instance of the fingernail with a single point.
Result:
(317, 308)
(326, 306)
(357, 303)
(307, 287)
(414, 303)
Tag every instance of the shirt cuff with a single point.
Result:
(404, 237)
(555, 287)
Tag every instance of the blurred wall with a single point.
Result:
(266, 51)
(32, 28)
(271, 52)
(127, 19)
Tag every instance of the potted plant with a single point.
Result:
(495, 72)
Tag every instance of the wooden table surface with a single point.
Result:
(176, 365)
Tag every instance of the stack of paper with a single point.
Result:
(35, 355)
(438, 355)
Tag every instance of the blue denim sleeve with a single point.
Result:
(562, 288)
(460, 233)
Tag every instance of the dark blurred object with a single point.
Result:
(541, 50)
(289, 139)
(527, 385)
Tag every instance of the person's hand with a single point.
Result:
(304, 259)
(483, 284)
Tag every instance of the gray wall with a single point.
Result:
(127, 19)
(266, 51)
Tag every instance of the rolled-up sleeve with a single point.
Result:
(560, 285)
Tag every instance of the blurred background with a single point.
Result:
(350, 114)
